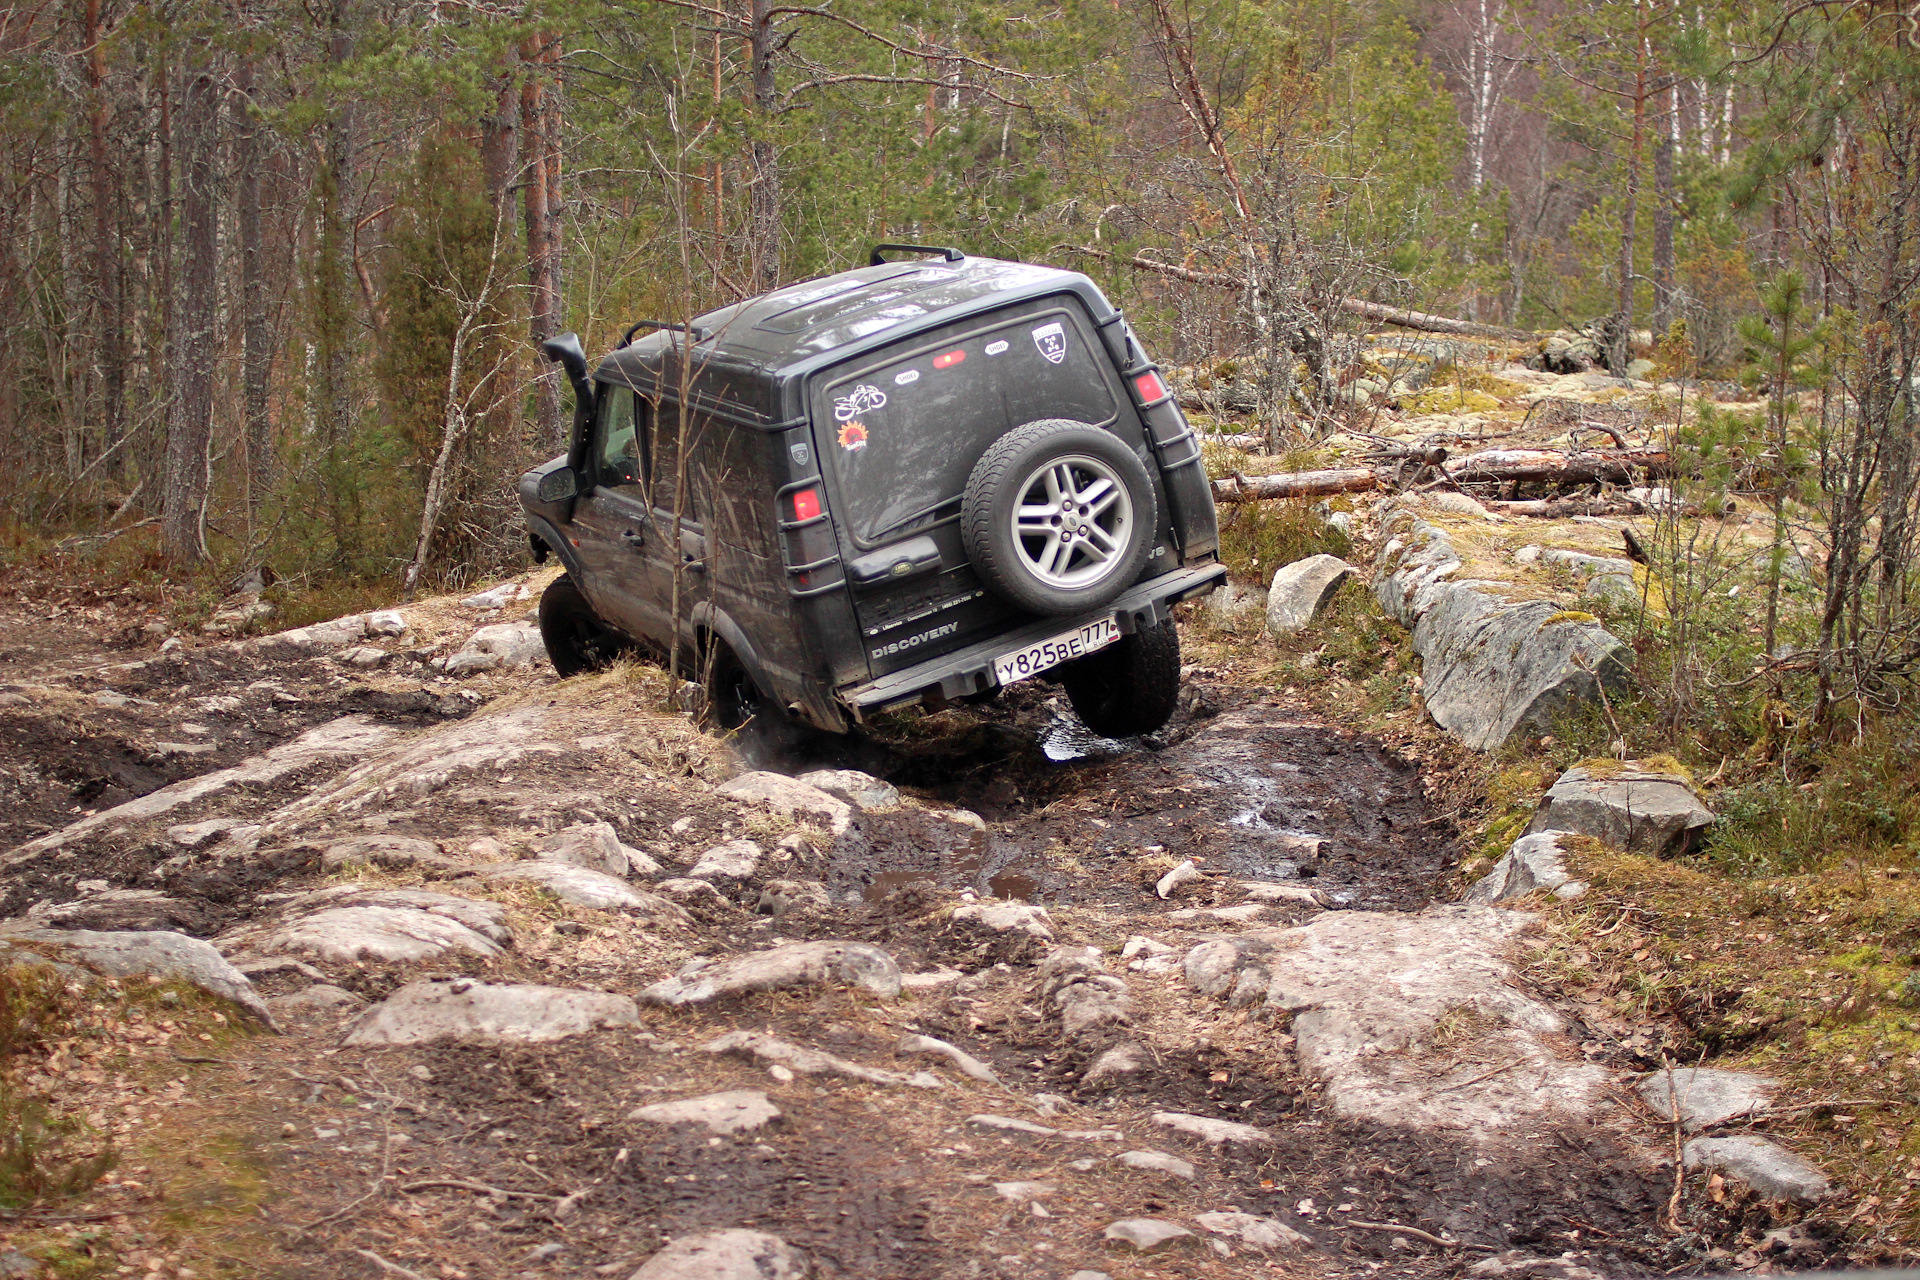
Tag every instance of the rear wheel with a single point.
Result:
(1130, 687)
(575, 637)
(734, 697)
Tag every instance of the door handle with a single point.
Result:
(635, 540)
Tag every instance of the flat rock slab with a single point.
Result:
(1706, 1095)
(347, 737)
(156, 952)
(1157, 1162)
(735, 1111)
(1263, 1234)
(351, 923)
(1366, 990)
(796, 964)
(788, 796)
(773, 1051)
(1004, 917)
(423, 1012)
(734, 860)
(1533, 862)
(1628, 806)
(861, 790)
(1217, 1132)
(1771, 1170)
(383, 850)
(1301, 590)
(1147, 1235)
(737, 1254)
(584, 888)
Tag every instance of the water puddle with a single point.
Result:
(1067, 739)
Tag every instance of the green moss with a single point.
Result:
(1567, 615)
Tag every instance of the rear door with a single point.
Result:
(901, 430)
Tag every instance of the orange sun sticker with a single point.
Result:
(853, 436)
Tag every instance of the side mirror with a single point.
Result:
(558, 485)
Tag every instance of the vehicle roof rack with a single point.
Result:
(878, 257)
(696, 332)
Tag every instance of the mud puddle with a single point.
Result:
(1261, 792)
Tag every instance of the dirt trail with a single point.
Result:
(503, 1159)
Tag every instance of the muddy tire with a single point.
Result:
(575, 637)
(1058, 517)
(734, 698)
(1127, 688)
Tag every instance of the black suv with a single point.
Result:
(916, 481)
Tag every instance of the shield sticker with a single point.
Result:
(799, 452)
(1052, 341)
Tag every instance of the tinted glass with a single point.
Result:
(616, 443)
(905, 434)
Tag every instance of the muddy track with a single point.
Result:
(871, 1181)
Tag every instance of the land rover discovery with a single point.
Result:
(920, 480)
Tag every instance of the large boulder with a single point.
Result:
(1536, 861)
(504, 644)
(1489, 666)
(1639, 806)
(1301, 590)
(1771, 1170)
(153, 952)
(737, 1254)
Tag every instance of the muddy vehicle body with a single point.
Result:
(915, 481)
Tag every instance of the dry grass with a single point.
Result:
(1810, 978)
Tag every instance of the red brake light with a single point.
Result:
(948, 359)
(1149, 387)
(806, 504)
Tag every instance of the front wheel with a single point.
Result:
(575, 638)
(1131, 686)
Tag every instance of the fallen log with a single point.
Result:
(1614, 465)
(1379, 313)
(1564, 508)
(1491, 465)
(1295, 484)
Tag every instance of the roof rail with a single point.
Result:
(698, 333)
(878, 257)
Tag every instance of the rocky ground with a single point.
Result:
(522, 977)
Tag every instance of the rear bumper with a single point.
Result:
(970, 670)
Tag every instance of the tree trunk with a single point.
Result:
(764, 212)
(331, 395)
(256, 335)
(190, 421)
(1664, 297)
(540, 169)
(109, 350)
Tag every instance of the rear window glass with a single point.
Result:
(904, 433)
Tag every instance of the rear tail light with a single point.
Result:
(806, 504)
(1149, 387)
(949, 359)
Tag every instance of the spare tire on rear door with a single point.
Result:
(1058, 517)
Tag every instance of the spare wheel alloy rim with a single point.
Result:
(1073, 522)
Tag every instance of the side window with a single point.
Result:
(663, 458)
(617, 438)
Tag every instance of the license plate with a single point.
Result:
(1051, 652)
